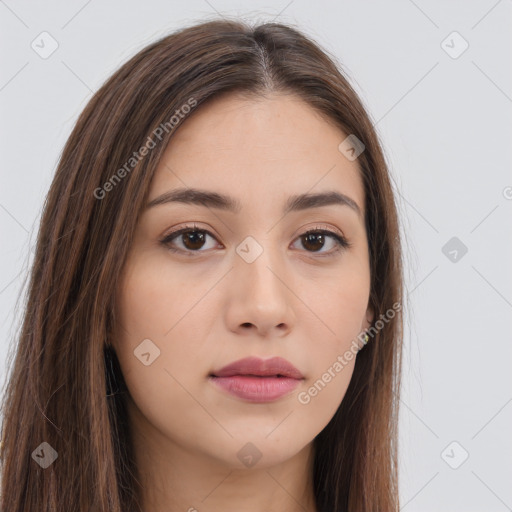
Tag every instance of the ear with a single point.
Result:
(370, 316)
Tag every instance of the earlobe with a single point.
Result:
(369, 317)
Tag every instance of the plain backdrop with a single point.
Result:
(436, 79)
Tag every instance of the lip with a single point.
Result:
(258, 380)
(271, 367)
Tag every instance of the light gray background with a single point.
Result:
(445, 125)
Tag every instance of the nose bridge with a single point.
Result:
(258, 262)
(258, 294)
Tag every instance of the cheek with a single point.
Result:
(162, 323)
(162, 390)
(338, 309)
(333, 351)
(154, 298)
(338, 305)
(323, 394)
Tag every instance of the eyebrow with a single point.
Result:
(223, 202)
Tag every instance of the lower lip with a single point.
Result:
(257, 389)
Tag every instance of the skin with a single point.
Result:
(209, 308)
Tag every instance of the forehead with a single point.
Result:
(269, 147)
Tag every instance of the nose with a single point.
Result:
(260, 297)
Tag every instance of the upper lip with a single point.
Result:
(260, 367)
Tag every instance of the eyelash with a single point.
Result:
(341, 242)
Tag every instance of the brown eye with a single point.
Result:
(315, 240)
(187, 240)
(193, 240)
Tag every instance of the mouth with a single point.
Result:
(256, 380)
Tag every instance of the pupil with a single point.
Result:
(196, 238)
(314, 237)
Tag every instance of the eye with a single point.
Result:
(191, 239)
(314, 241)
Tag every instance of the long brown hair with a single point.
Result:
(65, 387)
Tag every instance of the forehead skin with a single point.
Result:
(261, 151)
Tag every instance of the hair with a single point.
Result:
(65, 386)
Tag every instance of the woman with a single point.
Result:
(214, 312)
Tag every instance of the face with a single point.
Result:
(245, 282)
